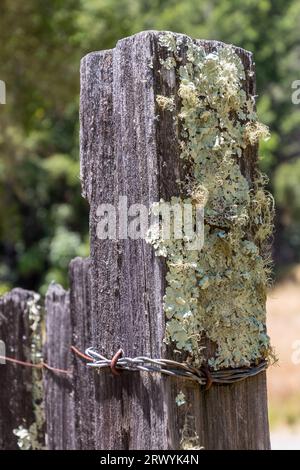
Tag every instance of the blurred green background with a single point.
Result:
(43, 219)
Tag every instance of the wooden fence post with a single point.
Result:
(16, 404)
(58, 388)
(85, 409)
(130, 147)
(127, 280)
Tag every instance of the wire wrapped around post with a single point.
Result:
(173, 368)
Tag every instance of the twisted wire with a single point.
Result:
(173, 368)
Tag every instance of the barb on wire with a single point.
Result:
(172, 368)
(119, 362)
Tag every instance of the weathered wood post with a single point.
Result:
(16, 403)
(58, 387)
(85, 409)
(162, 116)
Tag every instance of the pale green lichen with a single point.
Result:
(189, 437)
(24, 438)
(180, 399)
(218, 292)
(168, 63)
(169, 41)
(165, 102)
(33, 437)
(171, 44)
(256, 131)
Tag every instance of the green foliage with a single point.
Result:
(62, 168)
(64, 246)
(287, 190)
(41, 46)
(287, 187)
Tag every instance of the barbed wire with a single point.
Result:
(120, 362)
(202, 376)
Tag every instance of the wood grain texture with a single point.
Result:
(59, 403)
(16, 407)
(126, 149)
(85, 407)
(118, 148)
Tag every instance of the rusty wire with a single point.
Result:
(39, 365)
(172, 368)
(119, 362)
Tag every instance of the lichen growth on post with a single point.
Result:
(180, 399)
(165, 102)
(219, 292)
(189, 437)
(33, 437)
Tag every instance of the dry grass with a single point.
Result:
(283, 307)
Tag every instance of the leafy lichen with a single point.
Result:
(218, 292)
(180, 399)
(168, 63)
(165, 102)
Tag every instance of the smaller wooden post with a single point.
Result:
(16, 404)
(59, 407)
(84, 377)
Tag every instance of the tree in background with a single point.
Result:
(43, 217)
(44, 220)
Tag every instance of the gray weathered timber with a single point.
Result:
(59, 403)
(118, 157)
(85, 407)
(127, 151)
(16, 406)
